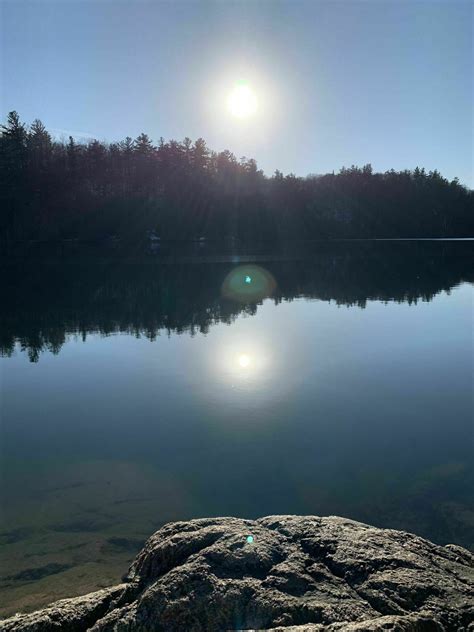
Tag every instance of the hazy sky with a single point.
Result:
(337, 82)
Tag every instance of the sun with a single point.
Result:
(242, 102)
(244, 360)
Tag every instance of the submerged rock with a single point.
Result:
(281, 573)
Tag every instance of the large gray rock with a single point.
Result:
(281, 573)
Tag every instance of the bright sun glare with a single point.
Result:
(243, 360)
(242, 101)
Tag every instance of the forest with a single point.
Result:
(134, 190)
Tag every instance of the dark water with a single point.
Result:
(137, 393)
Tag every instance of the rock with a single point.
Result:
(281, 573)
(79, 613)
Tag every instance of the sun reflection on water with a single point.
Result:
(245, 363)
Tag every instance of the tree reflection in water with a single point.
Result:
(44, 303)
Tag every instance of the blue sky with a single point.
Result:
(337, 82)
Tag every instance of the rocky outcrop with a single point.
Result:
(281, 573)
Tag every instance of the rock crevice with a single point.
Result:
(292, 573)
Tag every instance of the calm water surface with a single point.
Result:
(141, 393)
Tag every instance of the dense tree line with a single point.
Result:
(182, 190)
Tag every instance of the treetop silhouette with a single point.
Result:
(53, 190)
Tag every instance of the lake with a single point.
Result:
(336, 379)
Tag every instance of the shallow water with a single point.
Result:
(135, 394)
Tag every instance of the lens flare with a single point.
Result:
(248, 284)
